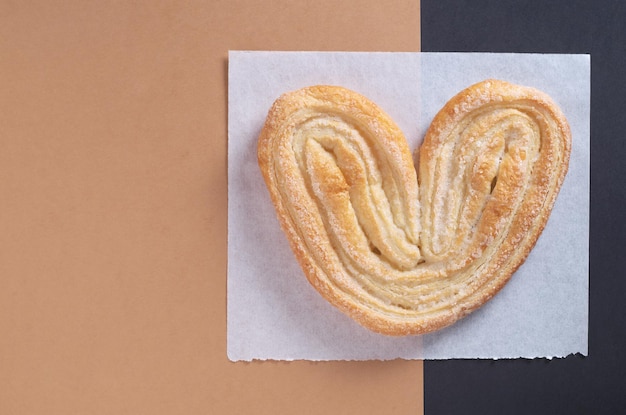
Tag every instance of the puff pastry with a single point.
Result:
(401, 252)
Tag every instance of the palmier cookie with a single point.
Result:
(405, 250)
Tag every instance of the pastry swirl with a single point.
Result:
(403, 253)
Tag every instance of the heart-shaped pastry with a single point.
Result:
(406, 253)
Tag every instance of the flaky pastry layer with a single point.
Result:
(403, 253)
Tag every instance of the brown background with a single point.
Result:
(114, 203)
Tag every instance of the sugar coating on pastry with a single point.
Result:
(402, 247)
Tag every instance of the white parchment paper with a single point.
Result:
(273, 312)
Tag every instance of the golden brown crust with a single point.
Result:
(397, 258)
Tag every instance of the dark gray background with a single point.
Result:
(575, 385)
